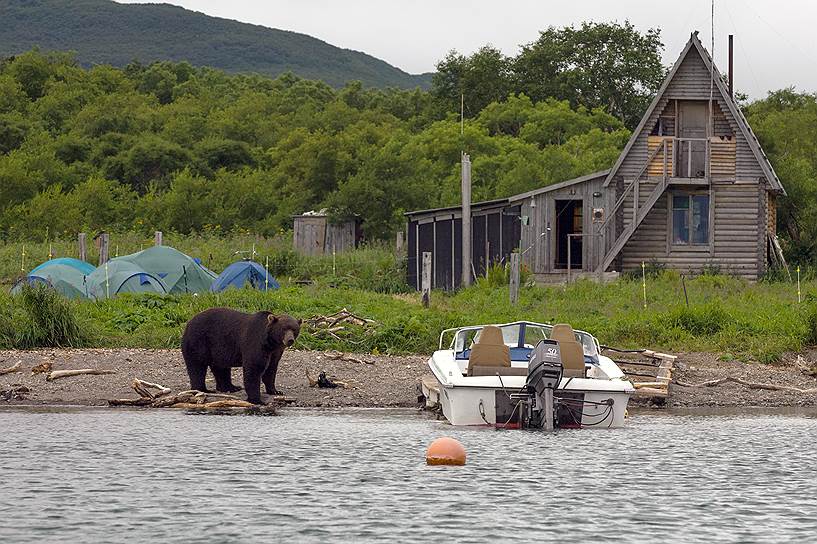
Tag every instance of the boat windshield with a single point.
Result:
(520, 336)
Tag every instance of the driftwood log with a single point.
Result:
(193, 399)
(13, 368)
(57, 374)
(750, 385)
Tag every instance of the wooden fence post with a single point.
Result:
(399, 242)
(83, 248)
(514, 278)
(104, 240)
(157, 238)
(426, 278)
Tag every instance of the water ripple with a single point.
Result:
(360, 476)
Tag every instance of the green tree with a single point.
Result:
(784, 123)
(472, 82)
(607, 65)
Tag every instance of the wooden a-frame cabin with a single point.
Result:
(692, 190)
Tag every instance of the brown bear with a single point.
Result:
(221, 338)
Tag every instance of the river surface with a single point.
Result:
(360, 476)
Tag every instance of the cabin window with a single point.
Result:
(690, 219)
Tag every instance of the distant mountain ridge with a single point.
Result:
(104, 32)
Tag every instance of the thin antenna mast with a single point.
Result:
(711, 124)
(462, 115)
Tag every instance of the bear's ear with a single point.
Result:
(300, 321)
(272, 319)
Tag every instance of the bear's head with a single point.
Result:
(282, 329)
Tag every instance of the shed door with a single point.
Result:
(691, 158)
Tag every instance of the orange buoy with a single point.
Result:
(445, 451)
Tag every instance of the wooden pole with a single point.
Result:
(104, 240)
(157, 238)
(399, 241)
(466, 220)
(426, 278)
(514, 278)
(83, 247)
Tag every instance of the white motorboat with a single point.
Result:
(526, 374)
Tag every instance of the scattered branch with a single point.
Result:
(56, 374)
(337, 355)
(332, 324)
(13, 368)
(143, 389)
(750, 385)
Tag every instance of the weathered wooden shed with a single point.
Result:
(314, 234)
(692, 190)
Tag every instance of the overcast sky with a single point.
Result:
(775, 41)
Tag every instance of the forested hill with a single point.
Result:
(104, 32)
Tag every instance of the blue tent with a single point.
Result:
(82, 266)
(244, 274)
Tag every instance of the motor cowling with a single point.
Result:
(544, 375)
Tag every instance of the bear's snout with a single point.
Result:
(289, 338)
(290, 341)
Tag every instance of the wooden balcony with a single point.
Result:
(678, 159)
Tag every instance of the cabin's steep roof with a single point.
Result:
(694, 44)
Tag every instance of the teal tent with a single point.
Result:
(63, 278)
(179, 273)
(122, 277)
(82, 266)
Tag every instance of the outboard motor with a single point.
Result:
(544, 375)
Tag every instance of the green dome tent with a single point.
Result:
(121, 277)
(63, 278)
(179, 273)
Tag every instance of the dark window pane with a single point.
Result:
(680, 202)
(700, 219)
(680, 226)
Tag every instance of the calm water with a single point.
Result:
(309, 476)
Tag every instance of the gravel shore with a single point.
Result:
(374, 381)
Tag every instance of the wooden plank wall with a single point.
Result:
(539, 243)
(309, 234)
(734, 249)
(339, 237)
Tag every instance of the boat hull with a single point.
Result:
(576, 406)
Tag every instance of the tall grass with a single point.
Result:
(40, 317)
(759, 321)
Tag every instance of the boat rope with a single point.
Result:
(482, 412)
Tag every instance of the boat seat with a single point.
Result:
(562, 332)
(494, 370)
(572, 359)
(490, 350)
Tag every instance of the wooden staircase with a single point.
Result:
(639, 212)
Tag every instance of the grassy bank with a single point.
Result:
(726, 315)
